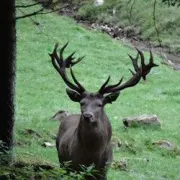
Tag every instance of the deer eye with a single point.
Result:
(82, 103)
(99, 104)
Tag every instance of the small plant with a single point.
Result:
(88, 171)
(5, 154)
(121, 165)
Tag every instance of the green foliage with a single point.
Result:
(23, 171)
(40, 93)
(172, 2)
(5, 154)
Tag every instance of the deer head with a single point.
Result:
(92, 103)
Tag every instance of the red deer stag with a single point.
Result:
(84, 139)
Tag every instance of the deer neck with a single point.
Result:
(93, 137)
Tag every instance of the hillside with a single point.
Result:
(152, 22)
(40, 93)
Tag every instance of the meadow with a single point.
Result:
(40, 93)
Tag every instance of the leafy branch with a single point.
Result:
(37, 12)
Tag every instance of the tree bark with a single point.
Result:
(7, 77)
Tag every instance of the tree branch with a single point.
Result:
(26, 6)
(30, 14)
(55, 10)
(154, 21)
(129, 12)
(35, 22)
(35, 13)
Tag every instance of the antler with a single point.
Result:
(147, 68)
(60, 65)
(141, 71)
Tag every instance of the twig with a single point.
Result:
(130, 11)
(30, 14)
(35, 22)
(49, 11)
(156, 28)
(127, 10)
(155, 25)
(26, 6)
(39, 12)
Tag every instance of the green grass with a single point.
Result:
(138, 14)
(40, 93)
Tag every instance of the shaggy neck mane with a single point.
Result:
(92, 137)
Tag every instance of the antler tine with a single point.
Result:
(55, 56)
(77, 61)
(68, 61)
(102, 88)
(55, 47)
(62, 50)
(108, 88)
(133, 80)
(141, 71)
(76, 81)
(147, 68)
(131, 72)
(142, 57)
(59, 61)
(118, 87)
(60, 65)
(151, 59)
(115, 85)
(134, 61)
(62, 73)
(54, 63)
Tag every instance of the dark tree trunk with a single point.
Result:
(7, 76)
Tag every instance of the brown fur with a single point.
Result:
(85, 139)
(83, 144)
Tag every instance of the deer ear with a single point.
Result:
(73, 95)
(111, 97)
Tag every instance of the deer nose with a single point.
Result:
(87, 115)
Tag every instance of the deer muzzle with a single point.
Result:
(88, 117)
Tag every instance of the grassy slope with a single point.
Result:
(40, 92)
(139, 14)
